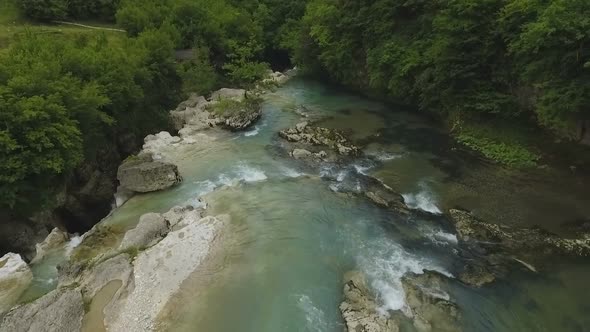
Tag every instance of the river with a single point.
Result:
(294, 233)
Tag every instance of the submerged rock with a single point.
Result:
(494, 248)
(62, 310)
(495, 237)
(359, 310)
(141, 175)
(301, 154)
(15, 277)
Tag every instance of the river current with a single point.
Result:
(294, 232)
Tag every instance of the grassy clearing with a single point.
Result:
(13, 24)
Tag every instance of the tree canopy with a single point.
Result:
(501, 58)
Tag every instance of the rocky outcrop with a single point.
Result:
(517, 240)
(160, 270)
(15, 277)
(242, 119)
(59, 311)
(304, 133)
(493, 248)
(359, 310)
(428, 304)
(197, 113)
(54, 240)
(187, 110)
(142, 175)
(152, 262)
(152, 227)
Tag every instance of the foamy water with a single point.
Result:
(424, 200)
(241, 173)
(74, 241)
(314, 316)
(385, 263)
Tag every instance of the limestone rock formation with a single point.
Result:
(61, 310)
(428, 305)
(359, 310)
(169, 248)
(187, 110)
(15, 277)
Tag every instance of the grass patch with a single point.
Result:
(505, 143)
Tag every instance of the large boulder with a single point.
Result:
(152, 227)
(359, 310)
(143, 175)
(15, 277)
(62, 310)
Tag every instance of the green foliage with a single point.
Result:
(506, 58)
(62, 100)
(66, 97)
(229, 107)
(47, 10)
(234, 33)
(198, 75)
(509, 154)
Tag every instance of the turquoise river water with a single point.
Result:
(294, 233)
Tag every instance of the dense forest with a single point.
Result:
(470, 61)
(65, 98)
